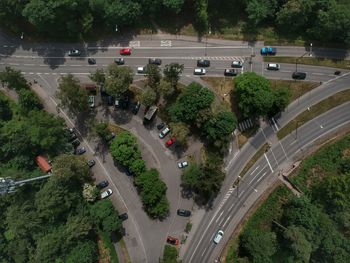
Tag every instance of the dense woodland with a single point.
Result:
(312, 228)
(317, 20)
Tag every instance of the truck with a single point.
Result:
(150, 114)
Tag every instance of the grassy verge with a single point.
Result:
(244, 136)
(316, 110)
(334, 63)
(125, 251)
(113, 258)
(115, 128)
(253, 160)
(298, 88)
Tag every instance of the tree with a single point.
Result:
(180, 130)
(259, 10)
(71, 95)
(169, 254)
(28, 101)
(300, 247)
(191, 175)
(5, 109)
(99, 76)
(118, 80)
(13, 79)
(221, 126)
(201, 16)
(254, 94)
(101, 130)
(175, 5)
(281, 100)
(124, 149)
(138, 166)
(190, 102)
(83, 252)
(153, 76)
(90, 192)
(148, 97)
(172, 73)
(165, 88)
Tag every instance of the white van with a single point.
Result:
(273, 66)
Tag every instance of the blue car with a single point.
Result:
(268, 51)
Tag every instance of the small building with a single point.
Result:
(90, 87)
(43, 164)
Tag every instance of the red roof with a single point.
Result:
(43, 164)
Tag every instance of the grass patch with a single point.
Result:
(298, 88)
(137, 92)
(113, 258)
(188, 227)
(245, 135)
(115, 128)
(222, 86)
(125, 251)
(334, 63)
(316, 110)
(253, 160)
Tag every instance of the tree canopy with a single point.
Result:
(118, 80)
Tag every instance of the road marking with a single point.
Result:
(204, 252)
(255, 176)
(268, 162)
(241, 193)
(293, 142)
(261, 177)
(134, 43)
(226, 221)
(231, 207)
(274, 123)
(285, 154)
(255, 169)
(165, 43)
(219, 217)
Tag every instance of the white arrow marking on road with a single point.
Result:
(226, 221)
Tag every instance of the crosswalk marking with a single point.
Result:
(165, 43)
(134, 43)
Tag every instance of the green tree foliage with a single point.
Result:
(152, 191)
(71, 95)
(344, 165)
(220, 126)
(124, 149)
(175, 5)
(191, 176)
(190, 102)
(101, 130)
(148, 97)
(5, 109)
(254, 94)
(83, 252)
(300, 247)
(172, 73)
(98, 76)
(13, 79)
(169, 254)
(153, 76)
(281, 100)
(259, 10)
(166, 88)
(138, 166)
(201, 16)
(28, 101)
(118, 80)
(181, 131)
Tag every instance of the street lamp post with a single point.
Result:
(310, 50)
(296, 61)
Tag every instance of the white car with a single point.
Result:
(106, 193)
(182, 164)
(164, 132)
(199, 71)
(141, 70)
(92, 101)
(237, 64)
(218, 236)
(273, 66)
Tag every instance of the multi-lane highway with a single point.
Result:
(47, 62)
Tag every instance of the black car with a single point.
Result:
(123, 217)
(110, 100)
(337, 73)
(75, 143)
(91, 163)
(136, 107)
(122, 103)
(102, 184)
(230, 72)
(203, 63)
(182, 212)
(119, 61)
(80, 151)
(155, 61)
(298, 75)
(91, 61)
(160, 126)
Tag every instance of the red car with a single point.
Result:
(172, 240)
(170, 141)
(125, 51)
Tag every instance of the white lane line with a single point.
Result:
(268, 162)
(255, 176)
(219, 216)
(293, 142)
(231, 207)
(255, 169)
(274, 123)
(204, 252)
(14, 64)
(222, 219)
(226, 221)
(285, 154)
(261, 177)
(241, 193)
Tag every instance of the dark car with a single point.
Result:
(203, 63)
(102, 184)
(182, 212)
(71, 136)
(160, 126)
(80, 151)
(337, 73)
(91, 163)
(155, 61)
(119, 61)
(123, 217)
(75, 143)
(91, 61)
(122, 103)
(110, 137)
(298, 75)
(74, 53)
(136, 107)
(110, 100)
(230, 72)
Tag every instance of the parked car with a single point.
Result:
(122, 103)
(182, 212)
(74, 53)
(218, 236)
(164, 132)
(199, 71)
(172, 240)
(80, 151)
(119, 61)
(91, 163)
(110, 137)
(75, 143)
(125, 51)
(91, 101)
(123, 216)
(203, 63)
(155, 61)
(237, 64)
(337, 72)
(91, 61)
(136, 107)
(160, 125)
(106, 193)
(273, 66)
(299, 75)
(110, 100)
(141, 70)
(71, 136)
(170, 142)
(70, 130)
(268, 51)
(182, 164)
(230, 72)
(102, 184)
